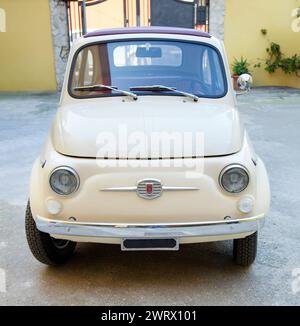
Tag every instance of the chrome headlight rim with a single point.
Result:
(229, 167)
(69, 169)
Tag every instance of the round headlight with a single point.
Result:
(64, 181)
(234, 179)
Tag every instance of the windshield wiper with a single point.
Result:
(100, 87)
(162, 88)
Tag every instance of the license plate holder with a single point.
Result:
(162, 244)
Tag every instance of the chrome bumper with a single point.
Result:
(201, 229)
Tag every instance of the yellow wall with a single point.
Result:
(244, 20)
(26, 53)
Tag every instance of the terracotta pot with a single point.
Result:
(235, 83)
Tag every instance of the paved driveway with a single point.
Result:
(198, 274)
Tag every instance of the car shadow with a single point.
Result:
(107, 266)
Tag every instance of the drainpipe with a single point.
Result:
(125, 13)
(83, 16)
(138, 13)
(195, 12)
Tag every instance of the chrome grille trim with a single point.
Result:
(116, 189)
(157, 189)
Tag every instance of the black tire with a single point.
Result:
(44, 248)
(244, 250)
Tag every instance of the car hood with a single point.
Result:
(151, 127)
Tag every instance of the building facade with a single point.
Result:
(35, 35)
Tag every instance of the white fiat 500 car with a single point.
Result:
(147, 150)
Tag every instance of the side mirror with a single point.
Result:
(245, 81)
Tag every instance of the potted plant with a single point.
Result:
(239, 67)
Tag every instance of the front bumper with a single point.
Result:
(185, 233)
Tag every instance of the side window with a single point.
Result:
(75, 80)
(219, 74)
(89, 69)
(84, 69)
(206, 69)
(212, 72)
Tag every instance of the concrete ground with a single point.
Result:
(201, 274)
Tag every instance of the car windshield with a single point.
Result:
(193, 68)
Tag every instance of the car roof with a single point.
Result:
(148, 30)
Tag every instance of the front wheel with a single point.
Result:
(44, 248)
(244, 250)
